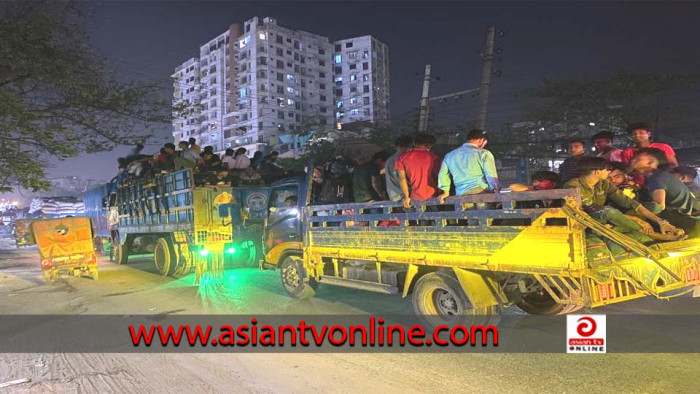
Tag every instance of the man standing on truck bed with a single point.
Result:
(393, 183)
(418, 171)
(473, 168)
(367, 184)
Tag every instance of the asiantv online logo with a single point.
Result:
(586, 334)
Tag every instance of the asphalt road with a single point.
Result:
(137, 289)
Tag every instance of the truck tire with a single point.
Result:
(541, 303)
(439, 299)
(294, 279)
(121, 253)
(164, 257)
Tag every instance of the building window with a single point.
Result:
(353, 77)
(280, 89)
(262, 36)
(338, 79)
(353, 89)
(365, 100)
(280, 114)
(280, 77)
(339, 92)
(365, 89)
(290, 102)
(322, 98)
(365, 54)
(290, 90)
(365, 66)
(321, 63)
(353, 100)
(280, 52)
(323, 110)
(321, 86)
(280, 39)
(354, 112)
(280, 64)
(321, 52)
(338, 58)
(352, 55)
(321, 74)
(338, 48)
(353, 66)
(338, 69)
(365, 77)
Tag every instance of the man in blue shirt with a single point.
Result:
(472, 167)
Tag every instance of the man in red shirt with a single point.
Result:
(418, 171)
(641, 134)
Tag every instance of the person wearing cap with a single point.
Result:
(472, 167)
(641, 134)
(603, 145)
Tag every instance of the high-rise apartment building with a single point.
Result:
(259, 84)
(360, 80)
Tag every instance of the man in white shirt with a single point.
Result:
(228, 160)
(240, 160)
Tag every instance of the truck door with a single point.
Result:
(283, 220)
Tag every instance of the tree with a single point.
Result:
(58, 98)
(620, 98)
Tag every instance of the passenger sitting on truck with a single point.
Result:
(240, 160)
(250, 177)
(210, 162)
(227, 160)
(337, 186)
(367, 183)
(270, 164)
(687, 176)
(672, 195)
(165, 161)
(221, 178)
(596, 190)
(541, 180)
(473, 168)
(418, 171)
(187, 157)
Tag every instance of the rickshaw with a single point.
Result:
(65, 246)
(23, 236)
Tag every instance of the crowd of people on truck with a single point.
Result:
(234, 169)
(641, 191)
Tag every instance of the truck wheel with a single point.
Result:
(293, 279)
(121, 253)
(164, 257)
(439, 299)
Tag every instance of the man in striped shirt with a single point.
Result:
(569, 169)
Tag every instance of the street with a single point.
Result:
(136, 289)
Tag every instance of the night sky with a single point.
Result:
(147, 40)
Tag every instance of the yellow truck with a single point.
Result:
(462, 263)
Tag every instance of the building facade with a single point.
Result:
(263, 86)
(360, 81)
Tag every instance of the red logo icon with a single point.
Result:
(586, 326)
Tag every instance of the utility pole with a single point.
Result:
(486, 79)
(424, 102)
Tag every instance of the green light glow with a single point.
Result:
(204, 253)
(230, 250)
